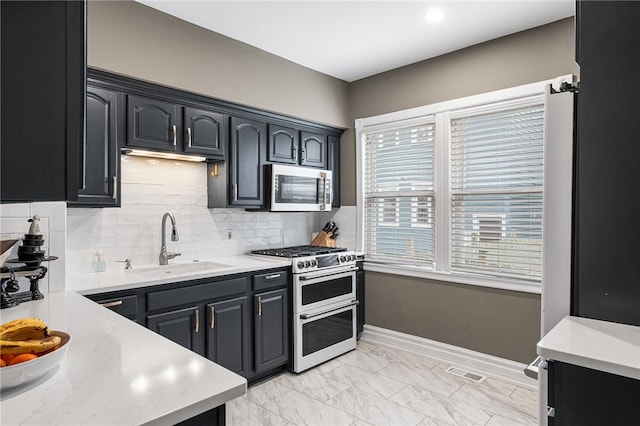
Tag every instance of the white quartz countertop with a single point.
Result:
(150, 275)
(115, 372)
(599, 345)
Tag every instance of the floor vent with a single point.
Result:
(465, 374)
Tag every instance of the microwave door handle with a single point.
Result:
(323, 205)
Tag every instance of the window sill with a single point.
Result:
(418, 272)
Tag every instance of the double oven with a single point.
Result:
(323, 303)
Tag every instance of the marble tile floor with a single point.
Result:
(381, 385)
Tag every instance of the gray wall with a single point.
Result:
(132, 39)
(497, 322)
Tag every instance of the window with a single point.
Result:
(454, 190)
(496, 191)
(399, 194)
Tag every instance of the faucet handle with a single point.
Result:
(127, 263)
(172, 255)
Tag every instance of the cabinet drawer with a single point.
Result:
(126, 305)
(180, 296)
(270, 280)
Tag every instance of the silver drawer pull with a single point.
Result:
(272, 276)
(112, 304)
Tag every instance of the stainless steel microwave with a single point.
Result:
(298, 189)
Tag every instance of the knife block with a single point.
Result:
(323, 240)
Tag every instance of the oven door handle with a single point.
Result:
(307, 316)
(307, 278)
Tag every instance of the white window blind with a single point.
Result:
(496, 192)
(399, 194)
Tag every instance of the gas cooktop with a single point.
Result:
(299, 251)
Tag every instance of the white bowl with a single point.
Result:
(28, 371)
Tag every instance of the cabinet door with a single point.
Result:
(582, 396)
(283, 144)
(314, 150)
(204, 132)
(42, 49)
(100, 156)
(152, 123)
(182, 326)
(271, 345)
(333, 164)
(228, 332)
(247, 156)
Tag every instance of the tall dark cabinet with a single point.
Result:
(42, 45)
(606, 281)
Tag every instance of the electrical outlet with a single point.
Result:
(229, 235)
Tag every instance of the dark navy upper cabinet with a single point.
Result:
(606, 272)
(314, 150)
(152, 123)
(42, 51)
(204, 132)
(100, 155)
(284, 144)
(246, 157)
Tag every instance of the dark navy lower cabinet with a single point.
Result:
(581, 396)
(181, 326)
(228, 334)
(271, 319)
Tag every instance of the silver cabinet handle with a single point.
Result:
(235, 192)
(259, 306)
(213, 317)
(272, 276)
(112, 304)
(304, 154)
(197, 321)
(189, 137)
(114, 189)
(175, 135)
(295, 153)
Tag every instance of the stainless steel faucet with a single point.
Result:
(164, 256)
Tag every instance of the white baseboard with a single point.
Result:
(477, 362)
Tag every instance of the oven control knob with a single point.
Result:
(343, 259)
(314, 263)
(307, 263)
(352, 257)
(300, 265)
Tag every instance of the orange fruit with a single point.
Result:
(7, 358)
(2, 363)
(22, 358)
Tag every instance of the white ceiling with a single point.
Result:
(351, 40)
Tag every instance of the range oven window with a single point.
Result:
(326, 332)
(312, 293)
(298, 189)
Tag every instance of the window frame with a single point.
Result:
(443, 112)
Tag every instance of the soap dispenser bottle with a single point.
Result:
(98, 264)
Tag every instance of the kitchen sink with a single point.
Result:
(176, 269)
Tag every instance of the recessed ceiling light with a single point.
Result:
(434, 15)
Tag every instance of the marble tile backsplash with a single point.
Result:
(14, 224)
(151, 187)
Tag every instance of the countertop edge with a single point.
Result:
(579, 341)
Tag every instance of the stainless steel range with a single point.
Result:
(324, 302)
